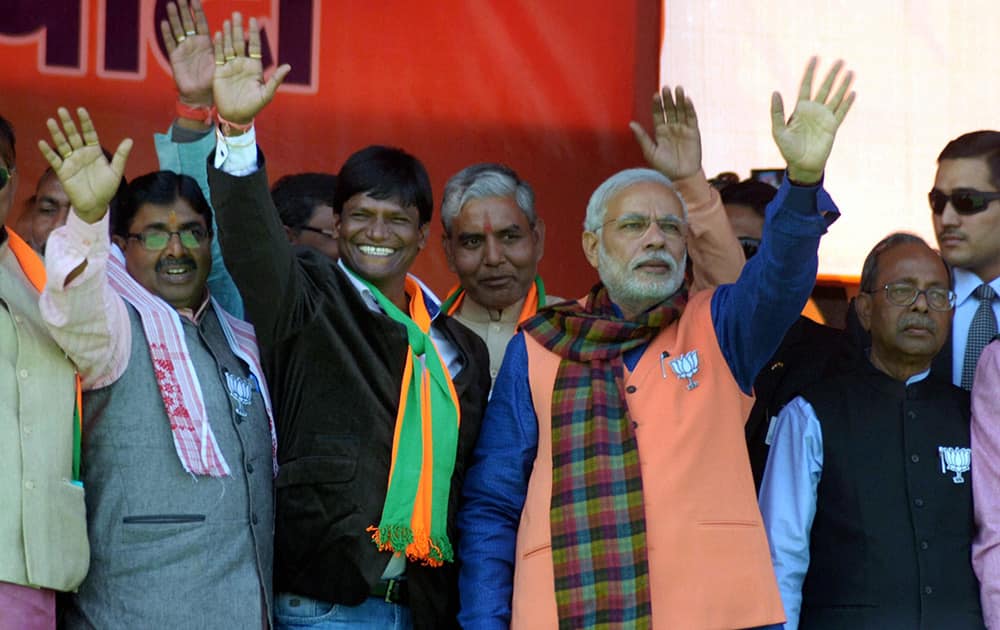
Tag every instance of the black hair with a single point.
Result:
(869, 272)
(751, 193)
(296, 196)
(8, 151)
(158, 187)
(983, 144)
(385, 173)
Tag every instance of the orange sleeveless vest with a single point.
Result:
(709, 562)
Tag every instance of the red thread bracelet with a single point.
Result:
(227, 126)
(201, 113)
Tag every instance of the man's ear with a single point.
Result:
(449, 253)
(425, 231)
(591, 243)
(863, 307)
(539, 233)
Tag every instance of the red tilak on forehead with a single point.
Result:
(488, 228)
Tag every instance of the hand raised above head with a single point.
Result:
(806, 139)
(676, 151)
(239, 88)
(89, 180)
(189, 46)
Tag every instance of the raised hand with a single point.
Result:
(676, 152)
(806, 139)
(189, 45)
(239, 88)
(79, 162)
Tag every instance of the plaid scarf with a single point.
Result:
(415, 513)
(597, 518)
(532, 300)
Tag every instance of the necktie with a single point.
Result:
(982, 330)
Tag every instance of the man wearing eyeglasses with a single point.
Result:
(610, 486)
(867, 495)
(179, 451)
(305, 205)
(965, 206)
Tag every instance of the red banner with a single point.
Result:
(545, 87)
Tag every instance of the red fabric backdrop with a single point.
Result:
(545, 87)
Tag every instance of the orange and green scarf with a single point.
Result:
(415, 513)
(534, 299)
(34, 270)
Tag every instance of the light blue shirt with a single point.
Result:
(965, 309)
(788, 495)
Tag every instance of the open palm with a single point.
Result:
(239, 88)
(676, 150)
(806, 139)
(89, 180)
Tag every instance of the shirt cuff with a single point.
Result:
(236, 155)
(72, 245)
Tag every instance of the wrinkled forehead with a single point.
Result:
(912, 262)
(647, 199)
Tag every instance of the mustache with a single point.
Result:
(657, 257)
(176, 262)
(950, 232)
(918, 320)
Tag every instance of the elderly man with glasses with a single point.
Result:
(867, 495)
(610, 486)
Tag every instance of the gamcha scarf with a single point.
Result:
(415, 514)
(597, 516)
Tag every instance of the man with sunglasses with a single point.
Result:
(965, 206)
(867, 497)
(43, 527)
(179, 450)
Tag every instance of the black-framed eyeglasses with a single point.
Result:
(964, 200)
(750, 246)
(155, 240)
(902, 294)
(330, 234)
(5, 175)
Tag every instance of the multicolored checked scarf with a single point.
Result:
(597, 517)
(534, 298)
(34, 270)
(415, 513)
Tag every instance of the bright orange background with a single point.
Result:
(545, 87)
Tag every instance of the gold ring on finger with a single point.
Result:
(254, 55)
(65, 155)
(230, 57)
(220, 63)
(180, 38)
(93, 143)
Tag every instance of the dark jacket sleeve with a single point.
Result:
(257, 252)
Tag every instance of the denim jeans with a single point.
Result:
(297, 611)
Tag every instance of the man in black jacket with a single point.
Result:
(378, 395)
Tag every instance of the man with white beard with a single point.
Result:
(611, 469)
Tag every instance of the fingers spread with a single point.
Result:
(87, 126)
(168, 37)
(239, 44)
(201, 22)
(220, 57)
(186, 21)
(839, 96)
(841, 112)
(121, 156)
(824, 89)
(50, 156)
(645, 142)
(253, 47)
(275, 81)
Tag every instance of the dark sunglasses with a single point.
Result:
(964, 201)
(5, 175)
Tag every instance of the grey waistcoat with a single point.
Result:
(171, 550)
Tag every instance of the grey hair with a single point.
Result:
(597, 207)
(480, 181)
(869, 272)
